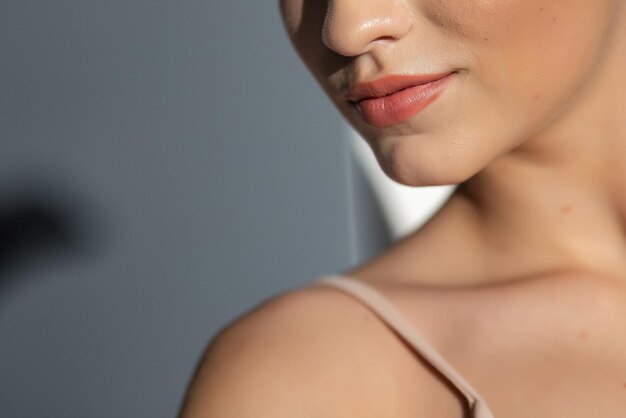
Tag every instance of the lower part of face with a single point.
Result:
(518, 63)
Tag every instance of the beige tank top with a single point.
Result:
(388, 313)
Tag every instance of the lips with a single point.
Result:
(394, 99)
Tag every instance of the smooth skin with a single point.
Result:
(519, 280)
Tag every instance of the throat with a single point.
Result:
(532, 218)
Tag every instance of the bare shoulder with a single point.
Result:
(309, 352)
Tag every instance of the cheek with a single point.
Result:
(527, 56)
(304, 21)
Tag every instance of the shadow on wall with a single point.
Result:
(41, 223)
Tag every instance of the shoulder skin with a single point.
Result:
(313, 352)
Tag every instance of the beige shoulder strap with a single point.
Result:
(397, 321)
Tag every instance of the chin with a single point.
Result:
(419, 172)
(418, 162)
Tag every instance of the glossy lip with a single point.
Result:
(394, 99)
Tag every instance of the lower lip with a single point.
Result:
(401, 105)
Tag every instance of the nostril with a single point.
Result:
(383, 39)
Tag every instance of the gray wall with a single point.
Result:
(164, 166)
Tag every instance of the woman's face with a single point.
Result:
(515, 65)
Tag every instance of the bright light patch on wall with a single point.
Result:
(405, 208)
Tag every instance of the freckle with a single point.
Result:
(554, 19)
(566, 209)
(485, 39)
(541, 8)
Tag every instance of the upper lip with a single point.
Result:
(388, 85)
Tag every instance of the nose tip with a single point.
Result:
(353, 27)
